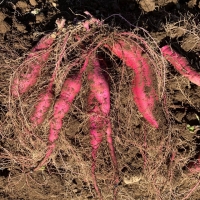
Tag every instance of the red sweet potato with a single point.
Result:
(181, 64)
(34, 63)
(99, 121)
(45, 99)
(69, 91)
(42, 106)
(144, 93)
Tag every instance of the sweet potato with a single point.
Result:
(42, 106)
(144, 93)
(70, 89)
(45, 99)
(99, 122)
(181, 64)
(33, 64)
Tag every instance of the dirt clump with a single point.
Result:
(4, 27)
(147, 5)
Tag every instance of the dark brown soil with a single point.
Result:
(152, 162)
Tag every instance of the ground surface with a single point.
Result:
(152, 163)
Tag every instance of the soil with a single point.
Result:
(152, 163)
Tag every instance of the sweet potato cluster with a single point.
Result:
(130, 51)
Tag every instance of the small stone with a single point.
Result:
(75, 190)
(132, 179)
(54, 5)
